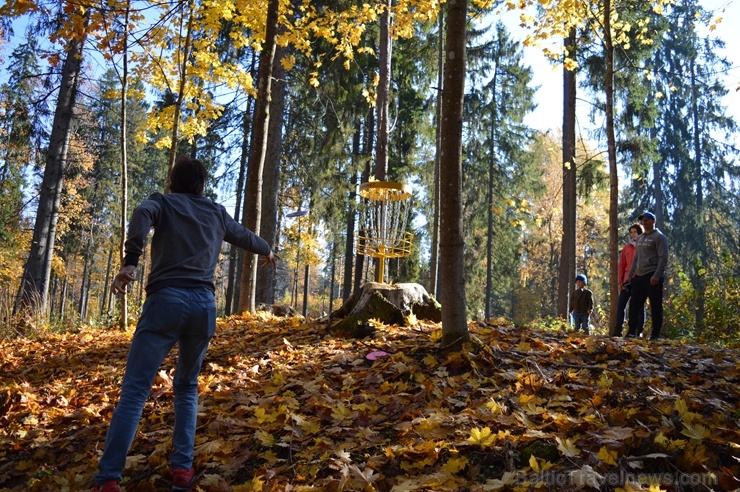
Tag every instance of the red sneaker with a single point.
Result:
(109, 486)
(183, 479)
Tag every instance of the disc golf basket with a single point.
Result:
(384, 215)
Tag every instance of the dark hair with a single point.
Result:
(636, 227)
(188, 175)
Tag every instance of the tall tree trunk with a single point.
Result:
(306, 287)
(384, 85)
(434, 260)
(53, 295)
(265, 292)
(613, 173)
(491, 170)
(235, 256)
(183, 65)
(105, 300)
(351, 215)
(253, 214)
(658, 190)
(451, 244)
(124, 170)
(34, 288)
(82, 306)
(701, 264)
(63, 298)
(88, 281)
(568, 240)
(367, 146)
(332, 273)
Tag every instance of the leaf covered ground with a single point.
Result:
(286, 406)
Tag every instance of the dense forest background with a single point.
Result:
(137, 84)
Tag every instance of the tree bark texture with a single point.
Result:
(34, 289)
(613, 172)
(434, 260)
(700, 278)
(384, 85)
(451, 244)
(566, 277)
(235, 254)
(252, 214)
(367, 146)
(349, 251)
(265, 287)
(124, 172)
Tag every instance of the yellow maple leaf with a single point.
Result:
(681, 406)
(418, 464)
(696, 454)
(482, 437)
(656, 488)
(697, 432)
(341, 412)
(567, 447)
(607, 456)
(661, 439)
(262, 416)
(265, 438)
(533, 464)
(430, 361)
(605, 381)
(455, 465)
(494, 407)
(310, 427)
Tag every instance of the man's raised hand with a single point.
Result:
(124, 277)
(271, 259)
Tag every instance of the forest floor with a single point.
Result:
(286, 406)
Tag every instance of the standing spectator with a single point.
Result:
(581, 304)
(189, 231)
(623, 282)
(647, 275)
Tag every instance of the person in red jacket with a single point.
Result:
(623, 283)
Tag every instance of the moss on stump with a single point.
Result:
(389, 304)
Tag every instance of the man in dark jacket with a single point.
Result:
(647, 274)
(180, 308)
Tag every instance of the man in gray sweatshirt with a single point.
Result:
(648, 268)
(189, 230)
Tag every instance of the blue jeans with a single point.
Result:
(580, 320)
(170, 315)
(622, 302)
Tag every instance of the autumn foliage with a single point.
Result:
(285, 406)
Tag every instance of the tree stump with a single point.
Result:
(390, 304)
(282, 310)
